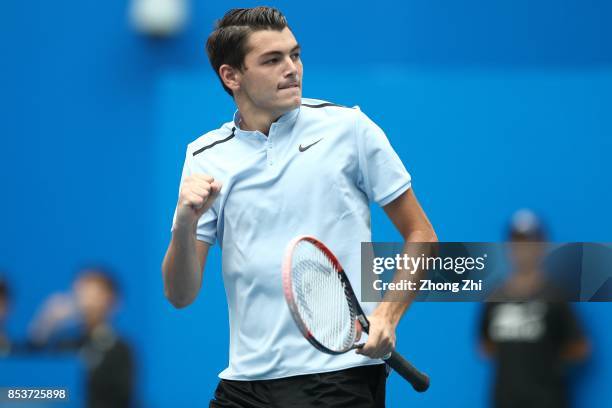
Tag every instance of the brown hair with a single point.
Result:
(227, 44)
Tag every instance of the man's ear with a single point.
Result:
(230, 76)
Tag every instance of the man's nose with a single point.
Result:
(291, 67)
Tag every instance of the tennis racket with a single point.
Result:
(325, 308)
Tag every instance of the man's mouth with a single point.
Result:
(289, 86)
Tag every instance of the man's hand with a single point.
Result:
(198, 193)
(58, 310)
(381, 339)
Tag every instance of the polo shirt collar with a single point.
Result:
(287, 118)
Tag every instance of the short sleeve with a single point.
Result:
(568, 324)
(382, 175)
(207, 224)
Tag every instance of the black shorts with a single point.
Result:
(358, 387)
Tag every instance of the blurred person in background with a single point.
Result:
(5, 344)
(81, 321)
(529, 333)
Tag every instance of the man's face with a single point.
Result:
(94, 299)
(526, 254)
(271, 78)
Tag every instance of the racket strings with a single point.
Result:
(321, 298)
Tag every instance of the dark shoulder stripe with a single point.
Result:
(216, 143)
(323, 105)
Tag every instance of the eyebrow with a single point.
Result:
(276, 52)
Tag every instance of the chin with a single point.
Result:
(282, 104)
(294, 102)
(287, 105)
(297, 101)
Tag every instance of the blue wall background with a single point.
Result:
(492, 106)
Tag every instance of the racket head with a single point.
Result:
(319, 295)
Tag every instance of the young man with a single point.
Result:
(284, 166)
(108, 359)
(530, 333)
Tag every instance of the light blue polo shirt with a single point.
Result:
(315, 173)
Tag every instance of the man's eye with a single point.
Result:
(271, 61)
(295, 55)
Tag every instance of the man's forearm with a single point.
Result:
(393, 307)
(181, 269)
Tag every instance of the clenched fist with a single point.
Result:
(198, 193)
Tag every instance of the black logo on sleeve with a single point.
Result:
(304, 148)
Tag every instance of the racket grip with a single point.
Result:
(419, 380)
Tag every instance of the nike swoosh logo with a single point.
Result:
(304, 148)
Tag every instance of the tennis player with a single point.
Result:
(284, 166)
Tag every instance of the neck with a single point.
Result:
(253, 118)
(261, 121)
(92, 324)
(526, 281)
